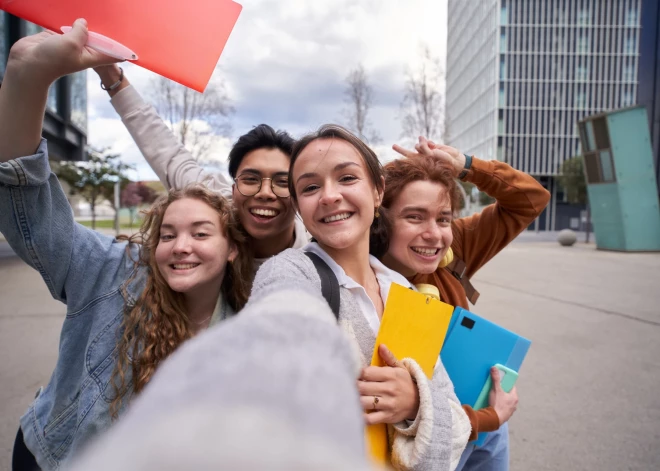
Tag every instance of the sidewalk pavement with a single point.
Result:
(588, 388)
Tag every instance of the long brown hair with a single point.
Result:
(380, 225)
(158, 322)
(402, 172)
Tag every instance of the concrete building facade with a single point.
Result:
(521, 74)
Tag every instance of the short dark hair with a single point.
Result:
(260, 137)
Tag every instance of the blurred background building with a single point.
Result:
(65, 123)
(521, 74)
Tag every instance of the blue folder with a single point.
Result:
(472, 346)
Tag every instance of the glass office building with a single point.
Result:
(65, 122)
(521, 74)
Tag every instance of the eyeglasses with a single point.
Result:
(249, 185)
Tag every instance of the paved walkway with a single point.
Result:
(588, 389)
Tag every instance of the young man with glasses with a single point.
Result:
(258, 164)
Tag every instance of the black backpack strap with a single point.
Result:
(457, 268)
(329, 283)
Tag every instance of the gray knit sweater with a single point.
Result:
(437, 437)
(270, 389)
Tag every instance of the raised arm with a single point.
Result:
(35, 62)
(35, 215)
(172, 162)
(519, 200)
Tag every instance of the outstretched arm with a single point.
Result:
(35, 62)
(173, 163)
(35, 216)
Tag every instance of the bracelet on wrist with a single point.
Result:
(466, 167)
(116, 84)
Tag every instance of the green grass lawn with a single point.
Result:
(108, 224)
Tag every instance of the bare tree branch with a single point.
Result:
(195, 118)
(423, 102)
(358, 99)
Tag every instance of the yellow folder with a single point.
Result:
(414, 326)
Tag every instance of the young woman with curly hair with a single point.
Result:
(130, 303)
(422, 199)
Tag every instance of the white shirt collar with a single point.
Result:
(384, 275)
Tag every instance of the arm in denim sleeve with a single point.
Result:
(37, 221)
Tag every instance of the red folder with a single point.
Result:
(181, 40)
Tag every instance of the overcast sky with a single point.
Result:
(286, 62)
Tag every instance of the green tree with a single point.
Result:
(94, 179)
(573, 180)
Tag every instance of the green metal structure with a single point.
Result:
(623, 193)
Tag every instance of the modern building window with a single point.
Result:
(584, 17)
(626, 98)
(581, 73)
(583, 44)
(53, 100)
(502, 96)
(3, 43)
(630, 45)
(606, 166)
(631, 17)
(503, 15)
(500, 126)
(503, 41)
(502, 68)
(79, 99)
(629, 73)
(580, 100)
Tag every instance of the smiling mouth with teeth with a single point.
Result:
(264, 213)
(337, 217)
(184, 266)
(427, 252)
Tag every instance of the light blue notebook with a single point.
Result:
(472, 346)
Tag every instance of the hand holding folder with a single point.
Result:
(179, 40)
(413, 326)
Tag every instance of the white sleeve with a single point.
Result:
(172, 162)
(437, 437)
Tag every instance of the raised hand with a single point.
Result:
(35, 62)
(388, 393)
(46, 56)
(448, 154)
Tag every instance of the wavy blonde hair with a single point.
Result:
(158, 322)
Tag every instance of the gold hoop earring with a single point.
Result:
(447, 259)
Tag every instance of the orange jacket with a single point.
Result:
(519, 200)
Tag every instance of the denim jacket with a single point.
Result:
(85, 270)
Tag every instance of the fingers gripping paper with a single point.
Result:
(181, 40)
(414, 326)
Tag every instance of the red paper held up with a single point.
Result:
(179, 39)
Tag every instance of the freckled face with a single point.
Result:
(421, 228)
(335, 192)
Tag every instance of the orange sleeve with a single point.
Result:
(482, 420)
(519, 200)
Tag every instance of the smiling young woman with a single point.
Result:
(130, 303)
(422, 199)
(336, 183)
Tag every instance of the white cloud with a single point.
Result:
(286, 61)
